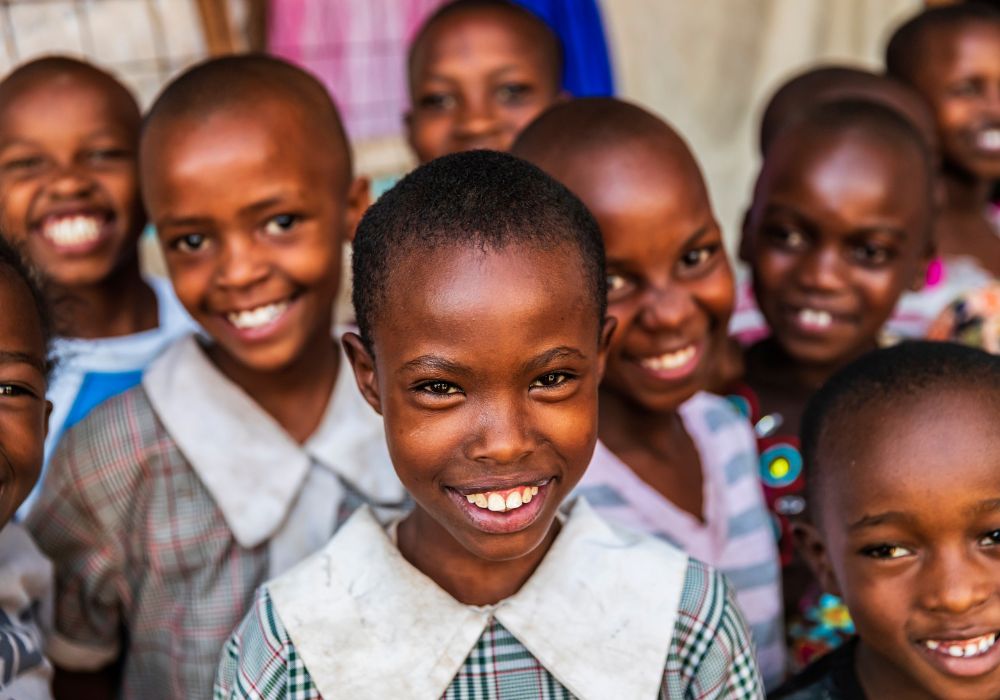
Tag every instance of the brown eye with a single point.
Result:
(440, 388)
(189, 243)
(436, 102)
(551, 379)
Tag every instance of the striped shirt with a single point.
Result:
(736, 537)
(708, 654)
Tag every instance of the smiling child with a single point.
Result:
(25, 575)
(951, 55)
(839, 227)
(69, 193)
(903, 454)
(479, 71)
(672, 460)
(480, 290)
(240, 453)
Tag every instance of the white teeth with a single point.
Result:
(72, 230)
(962, 649)
(989, 140)
(815, 318)
(499, 504)
(669, 360)
(255, 318)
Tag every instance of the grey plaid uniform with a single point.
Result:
(710, 656)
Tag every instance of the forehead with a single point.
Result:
(480, 39)
(969, 45)
(272, 141)
(474, 300)
(912, 455)
(65, 102)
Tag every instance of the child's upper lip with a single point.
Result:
(70, 210)
(503, 484)
(953, 635)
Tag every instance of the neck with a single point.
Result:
(464, 576)
(121, 304)
(880, 678)
(623, 423)
(775, 366)
(297, 395)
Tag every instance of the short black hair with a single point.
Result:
(550, 42)
(881, 379)
(482, 200)
(903, 52)
(13, 261)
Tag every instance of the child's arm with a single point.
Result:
(259, 657)
(711, 656)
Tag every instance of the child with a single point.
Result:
(839, 227)
(479, 71)
(795, 98)
(239, 455)
(69, 192)
(672, 460)
(903, 454)
(25, 575)
(480, 291)
(951, 55)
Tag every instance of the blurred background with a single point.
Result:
(705, 66)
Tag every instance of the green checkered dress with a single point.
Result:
(710, 656)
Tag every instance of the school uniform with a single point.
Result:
(89, 371)
(735, 536)
(25, 617)
(169, 505)
(607, 614)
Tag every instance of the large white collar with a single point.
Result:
(253, 468)
(598, 614)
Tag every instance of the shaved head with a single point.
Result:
(827, 84)
(568, 138)
(50, 70)
(250, 87)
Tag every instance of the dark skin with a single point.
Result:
(958, 72)
(68, 141)
(251, 214)
(477, 78)
(670, 291)
(486, 371)
(838, 227)
(908, 569)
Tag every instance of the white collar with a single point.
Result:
(253, 468)
(368, 624)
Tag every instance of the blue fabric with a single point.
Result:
(577, 23)
(96, 388)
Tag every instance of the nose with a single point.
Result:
(820, 270)
(955, 583)
(476, 119)
(69, 183)
(239, 263)
(666, 308)
(502, 435)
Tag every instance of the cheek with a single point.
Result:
(191, 280)
(123, 189)
(626, 315)
(428, 135)
(421, 441)
(881, 290)
(771, 270)
(715, 295)
(16, 202)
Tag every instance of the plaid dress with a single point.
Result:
(710, 656)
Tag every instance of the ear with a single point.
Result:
(813, 549)
(48, 415)
(745, 242)
(607, 331)
(359, 198)
(363, 365)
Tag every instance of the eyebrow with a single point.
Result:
(562, 352)
(12, 357)
(988, 506)
(431, 363)
(886, 518)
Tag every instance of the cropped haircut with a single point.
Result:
(478, 200)
(550, 42)
(12, 261)
(881, 379)
(903, 51)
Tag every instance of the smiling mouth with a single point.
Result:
(502, 501)
(72, 231)
(961, 648)
(258, 317)
(988, 140)
(669, 361)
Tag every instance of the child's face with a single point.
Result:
(670, 287)
(24, 411)
(836, 233)
(960, 76)
(476, 80)
(68, 183)
(911, 525)
(486, 371)
(251, 216)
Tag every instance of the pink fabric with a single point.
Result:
(357, 48)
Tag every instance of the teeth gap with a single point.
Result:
(498, 503)
(962, 648)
